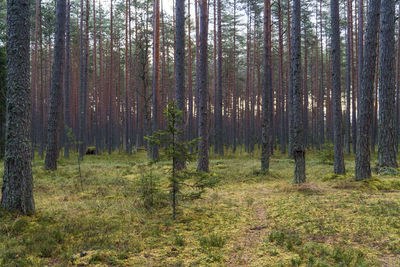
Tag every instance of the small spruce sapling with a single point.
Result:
(178, 151)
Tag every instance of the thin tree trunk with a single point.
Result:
(156, 74)
(349, 77)
(67, 122)
(281, 87)
(267, 88)
(56, 97)
(190, 83)
(219, 143)
(202, 70)
(180, 72)
(322, 88)
(235, 94)
(336, 96)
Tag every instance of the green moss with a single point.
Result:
(250, 218)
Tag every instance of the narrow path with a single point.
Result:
(246, 244)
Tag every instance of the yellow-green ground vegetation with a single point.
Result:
(248, 219)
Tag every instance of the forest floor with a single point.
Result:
(248, 219)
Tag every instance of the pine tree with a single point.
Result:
(386, 149)
(297, 94)
(17, 189)
(156, 74)
(337, 105)
(363, 169)
(180, 70)
(56, 98)
(267, 88)
(201, 72)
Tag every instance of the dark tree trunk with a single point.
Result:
(34, 87)
(267, 88)
(17, 189)
(190, 83)
(235, 94)
(398, 87)
(180, 70)
(386, 142)
(218, 130)
(360, 46)
(281, 90)
(215, 113)
(83, 85)
(321, 123)
(305, 90)
(56, 95)
(297, 94)
(202, 69)
(110, 96)
(156, 74)
(349, 66)
(41, 93)
(363, 169)
(289, 92)
(336, 92)
(67, 123)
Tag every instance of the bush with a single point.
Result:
(388, 171)
(327, 155)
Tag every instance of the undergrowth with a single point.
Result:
(330, 221)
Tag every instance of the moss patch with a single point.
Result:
(330, 221)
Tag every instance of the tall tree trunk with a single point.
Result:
(201, 72)
(56, 95)
(386, 143)
(219, 143)
(96, 85)
(67, 122)
(82, 86)
(111, 85)
(216, 145)
(336, 96)
(305, 90)
(17, 189)
(41, 93)
(281, 87)
(297, 94)
(349, 64)
(398, 87)
(235, 94)
(321, 123)
(289, 93)
(267, 88)
(180, 72)
(363, 169)
(360, 48)
(190, 82)
(34, 83)
(156, 74)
